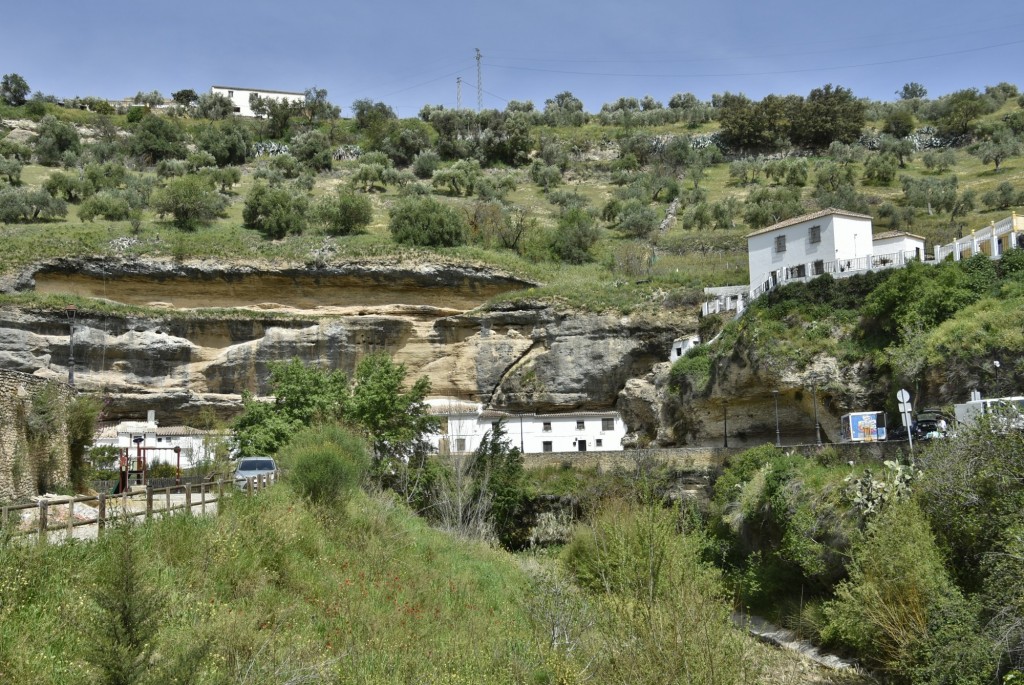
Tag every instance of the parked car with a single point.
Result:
(253, 467)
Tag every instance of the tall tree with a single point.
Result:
(830, 113)
(14, 89)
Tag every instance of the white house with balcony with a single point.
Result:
(832, 241)
(464, 424)
(240, 97)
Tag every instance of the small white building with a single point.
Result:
(464, 424)
(158, 443)
(240, 97)
(680, 346)
(895, 245)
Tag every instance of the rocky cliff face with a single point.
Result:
(740, 402)
(521, 356)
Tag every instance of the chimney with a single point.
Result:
(151, 416)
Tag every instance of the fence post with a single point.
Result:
(188, 498)
(249, 485)
(71, 517)
(202, 498)
(220, 492)
(149, 501)
(101, 514)
(42, 521)
(3, 517)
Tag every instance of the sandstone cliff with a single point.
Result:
(519, 355)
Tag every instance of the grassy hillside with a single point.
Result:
(623, 270)
(271, 591)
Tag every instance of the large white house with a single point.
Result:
(464, 424)
(240, 97)
(832, 241)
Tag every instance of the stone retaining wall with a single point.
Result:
(25, 465)
(706, 458)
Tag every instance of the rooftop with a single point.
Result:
(831, 211)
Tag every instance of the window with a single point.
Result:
(814, 234)
(607, 424)
(818, 268)
(798, 271)
(679, 351)
(231, 93)
(547, 426)
(460, 444)
(580, 425)
(494, 425)
(546, 446)
(780, 243)
(598, 442)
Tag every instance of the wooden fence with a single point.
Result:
(147, 502)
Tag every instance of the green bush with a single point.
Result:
(896, 581)
(425, 164)
(325, 463)
(191, 200)
(427, 222)
(344, 213)
(274, 212)
(576, 233)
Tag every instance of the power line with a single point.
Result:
(763, 73)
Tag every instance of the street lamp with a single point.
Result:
(817, 426)
(69, 314)
(778, 435)
(725, 423)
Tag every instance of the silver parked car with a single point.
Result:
(253, 467)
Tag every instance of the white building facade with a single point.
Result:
(464, 424)
(159, 443)
(832, 241)
(240, 97)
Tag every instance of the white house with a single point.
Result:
(240, 97)
(464, 424)
(158, 443)
(832, 241)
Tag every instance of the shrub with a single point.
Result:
(55, 138)
(108, 204)
(637, 219)
(25, 204)
(274, 212)
(427, 222)
(425, 164)
(325, 463)
(896, 579)
(576, 233)
(191, 200)
(344, 213)
(313, 150)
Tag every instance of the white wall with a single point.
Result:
(903, 243)
(681, 345)
(531, 432)
(240, 96)
(842, 238)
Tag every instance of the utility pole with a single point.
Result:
(458, 92)
(479, 83)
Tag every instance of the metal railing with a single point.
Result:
(148, 502)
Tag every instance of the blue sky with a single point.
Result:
(408, 54)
